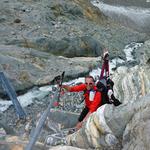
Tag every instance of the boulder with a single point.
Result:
(105, 127)
(26, 68)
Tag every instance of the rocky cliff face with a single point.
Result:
(28, 67)
(132, 83)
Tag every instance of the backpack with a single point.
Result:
(105, 86)
(103, 89)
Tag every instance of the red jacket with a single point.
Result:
(92, 105)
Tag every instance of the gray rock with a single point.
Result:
(66, 119)
(138, 3)
(28, 67)
(136, 134)
(131, 83)
(112, 121)
(143, 54)
(65, 148)
(63, 28)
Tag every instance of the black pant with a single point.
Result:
(83, 114)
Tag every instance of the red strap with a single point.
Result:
(105, 67)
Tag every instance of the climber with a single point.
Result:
(91, 95)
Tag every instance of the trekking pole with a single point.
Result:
(60, 85)
(56, 103)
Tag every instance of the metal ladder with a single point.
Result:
(12, 95)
